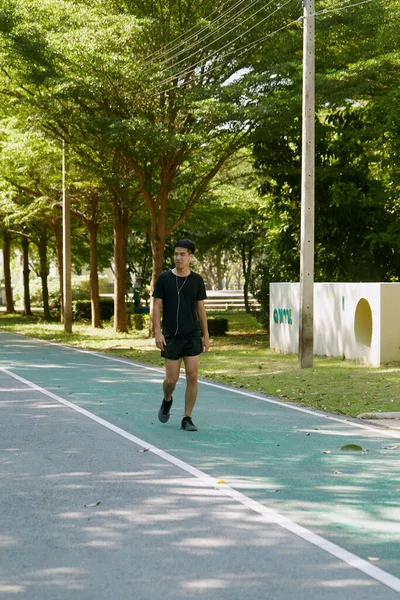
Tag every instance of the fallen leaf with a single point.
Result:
(351, 448)
(373, 558)
(221, 481)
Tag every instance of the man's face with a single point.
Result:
(182, 257)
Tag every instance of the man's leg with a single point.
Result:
(172, 368)
(192, 376)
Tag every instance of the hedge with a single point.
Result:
(217, 326)
(82, 309)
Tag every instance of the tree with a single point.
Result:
(26, 271)
(228, 225)
(351, 204)
(7, 271)
(31, 174)
(158, 96)
(356, 211)
(40, 236)
(175, 123)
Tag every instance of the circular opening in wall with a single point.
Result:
(363, 323)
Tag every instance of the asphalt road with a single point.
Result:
(100, 500)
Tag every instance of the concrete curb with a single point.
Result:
(379, 415)
(388, 420)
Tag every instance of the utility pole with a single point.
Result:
(66, 215)
(306, 315)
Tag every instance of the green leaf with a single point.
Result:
(351, 448)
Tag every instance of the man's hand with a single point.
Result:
(158, 336)
(160, 341)
(206, 343)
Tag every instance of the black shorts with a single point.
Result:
(178, 347)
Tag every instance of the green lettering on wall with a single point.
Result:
(283, 315)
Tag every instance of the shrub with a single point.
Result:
(217, 326)
(80, 290)
(106, 308)
(82, 309)
(35, 292)
(138, 321)
(81, 286)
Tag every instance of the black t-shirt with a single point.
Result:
(180, 296)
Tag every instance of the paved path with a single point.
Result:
(100, 500)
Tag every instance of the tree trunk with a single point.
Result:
(94, 277)
(7, 272)
(246, 263)
(157, 256)
(44, 273)
(25, 256)
(57, 230)
(220, 270)
(121, 220)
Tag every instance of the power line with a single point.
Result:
(249, 46)
(208, 58)
(211, 33)
(243, 51)
(344, 7)
(224, 13)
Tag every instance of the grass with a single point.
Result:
(243, 359)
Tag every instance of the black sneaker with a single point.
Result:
(163, 413)
(188, 425)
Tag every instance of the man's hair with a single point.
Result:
(186, 244)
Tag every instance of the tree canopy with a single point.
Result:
(156, 98)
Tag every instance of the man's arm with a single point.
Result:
(201, 311)
(158, 335)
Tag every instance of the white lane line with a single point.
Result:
(378, 430)
(270, 516)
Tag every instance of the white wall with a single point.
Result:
(353, 320)
(390, 322)
(284, 335)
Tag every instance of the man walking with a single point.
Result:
(180, 294)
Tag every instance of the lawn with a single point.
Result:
(243, 359)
